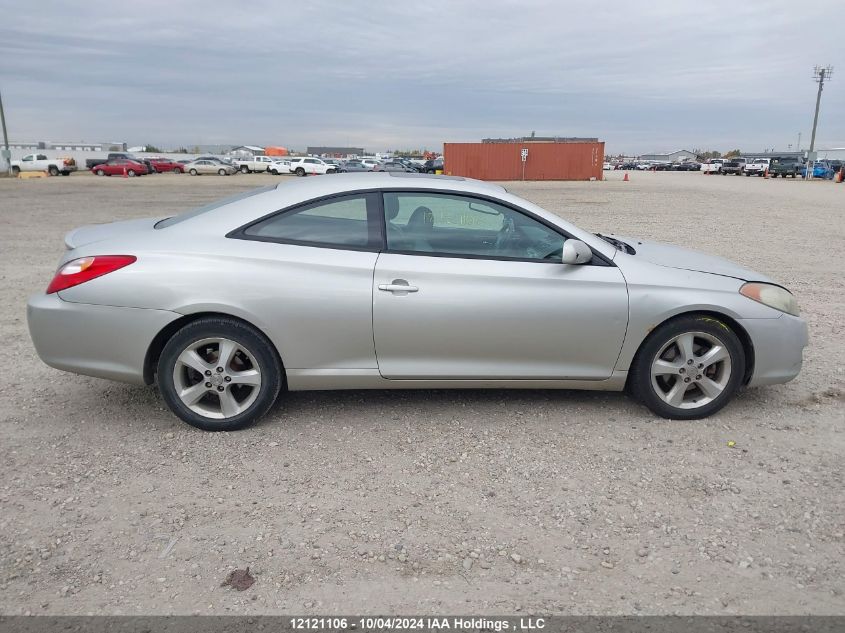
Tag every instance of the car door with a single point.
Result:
(472, 289)
(315, 280)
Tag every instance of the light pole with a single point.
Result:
(819, 76)
(7, 155)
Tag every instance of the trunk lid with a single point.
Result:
(98, 232)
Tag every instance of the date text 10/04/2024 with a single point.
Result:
(399, 623)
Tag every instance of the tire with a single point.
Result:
(65, 173)
(16, 170)
(178, 171)
(193, 172)
(53, 170)
(331, 171)
(222, 172)
(244, 169)
(275, 172)
(725, 376)
(100, 172)
(300, 171)
(131, 173)
(254, 352)
(747, 173)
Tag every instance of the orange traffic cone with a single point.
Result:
(125, 175)
(766, 173)
(626, 179)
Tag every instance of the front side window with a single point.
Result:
(337, 222)
(447, 224)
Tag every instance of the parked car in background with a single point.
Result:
(394, 166)
(303, 165)
(40, 162)
(433, 166)
(756, 166)
(205, 166)
(119, 167)
(279, 166)
(734, 166)
(370, 162)
(161, 165)
(256, 163)
(712, 165)
(217, 159)
(286, 287)
(821, 169)
(355, 165)
(687, 165)
(93, 162)
(607, 167)
(784, 167)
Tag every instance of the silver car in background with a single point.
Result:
(207, 166)
(394, 280)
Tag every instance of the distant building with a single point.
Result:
(336, 152)
(681, 154)
(70, 146)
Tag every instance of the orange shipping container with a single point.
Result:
(275, 151)
(503, 161)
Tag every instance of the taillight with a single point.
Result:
(85, 269)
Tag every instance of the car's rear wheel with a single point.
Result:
(244, 169)
(100, 172)
(219, 374)
(222, 172)
(300, 171)
(193, 172)
(53, 170)
(688, 368)
(176, 170)
(131, 173)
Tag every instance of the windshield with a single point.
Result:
(176, 219)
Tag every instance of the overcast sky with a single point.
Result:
(642, 76)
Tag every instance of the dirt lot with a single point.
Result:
(489, 502)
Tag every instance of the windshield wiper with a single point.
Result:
(618, 244)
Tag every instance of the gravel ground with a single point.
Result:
(490, 502)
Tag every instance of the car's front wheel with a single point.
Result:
(219, 374)
(688, 368)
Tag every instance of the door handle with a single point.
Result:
(397, 286)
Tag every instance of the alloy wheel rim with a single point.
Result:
(217, 378)
(691, 370)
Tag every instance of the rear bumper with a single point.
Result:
(778, 348)
(94, 340)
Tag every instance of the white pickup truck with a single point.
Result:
(712, 166)
(40, 162)
(756, 166)
(256, 163)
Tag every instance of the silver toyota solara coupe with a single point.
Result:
(392, 281)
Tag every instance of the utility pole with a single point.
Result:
(7, 155)
(798, 147)
(819, 75)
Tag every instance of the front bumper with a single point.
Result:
(778, 348)
(94, 340)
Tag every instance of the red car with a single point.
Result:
(161, 165)
(119, 166)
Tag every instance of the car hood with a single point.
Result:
(98, 232)
(686, 259)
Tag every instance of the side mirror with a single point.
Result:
(576, 252)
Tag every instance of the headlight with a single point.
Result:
(772, 296)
